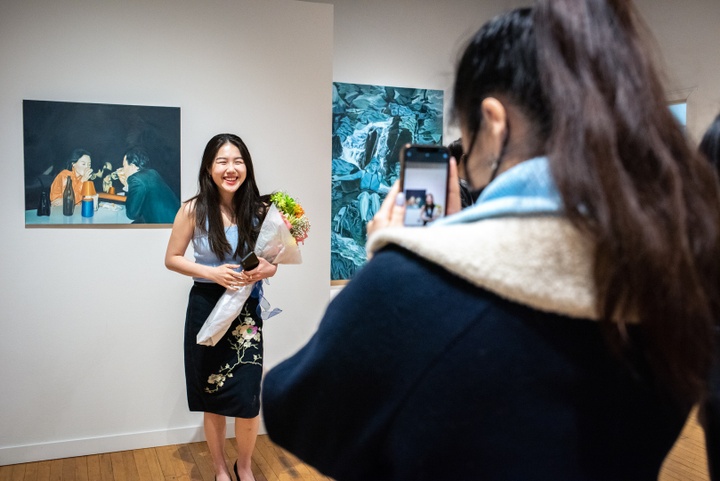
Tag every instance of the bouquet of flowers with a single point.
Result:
(284, 228)
(293, 214)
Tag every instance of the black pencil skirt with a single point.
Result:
(225, 378)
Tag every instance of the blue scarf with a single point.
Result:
(525, 189)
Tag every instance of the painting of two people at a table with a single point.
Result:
(115, 177)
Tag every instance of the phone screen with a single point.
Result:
(424, 179)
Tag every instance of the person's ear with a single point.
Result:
(494, 120)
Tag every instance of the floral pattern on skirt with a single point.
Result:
(224, 379)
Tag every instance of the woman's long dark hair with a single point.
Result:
(581, 72)
(249, 206)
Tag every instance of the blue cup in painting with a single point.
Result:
(87, 207)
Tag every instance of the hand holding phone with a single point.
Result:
(424, 171)
(249, 262)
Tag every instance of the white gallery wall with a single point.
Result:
(407, 43)
(91, 325)
(688, 36)
(416, 43)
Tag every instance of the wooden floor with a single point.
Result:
(686, 462)
(182, 462)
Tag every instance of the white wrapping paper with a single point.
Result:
(276, 245)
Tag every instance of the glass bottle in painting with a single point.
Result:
(68, 198)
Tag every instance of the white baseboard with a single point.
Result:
(105, 444)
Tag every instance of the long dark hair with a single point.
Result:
(489, 68)
(581, 72)
(248, 205)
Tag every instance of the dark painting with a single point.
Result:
(125, 157)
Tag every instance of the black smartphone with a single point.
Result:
(249, 262)
(424, 171)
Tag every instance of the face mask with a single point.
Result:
(475, 194)
(493, 173)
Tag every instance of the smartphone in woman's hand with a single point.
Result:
(249, 262)
(424, 171)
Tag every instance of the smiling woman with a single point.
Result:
(223, 222)
(228, 169)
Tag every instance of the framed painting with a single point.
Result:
(100, 164)
(370, 125)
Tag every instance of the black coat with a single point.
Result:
(416, 374)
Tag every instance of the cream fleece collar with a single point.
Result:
(542, 261)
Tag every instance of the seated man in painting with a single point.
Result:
(149, 198)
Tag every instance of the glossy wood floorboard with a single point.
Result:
(191, 462)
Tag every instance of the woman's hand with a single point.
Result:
(226, 276)
(391, 212)
(86, 174)
(262, 271)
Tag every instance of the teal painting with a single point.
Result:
(370, 125)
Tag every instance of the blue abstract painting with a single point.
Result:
(371, 123)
